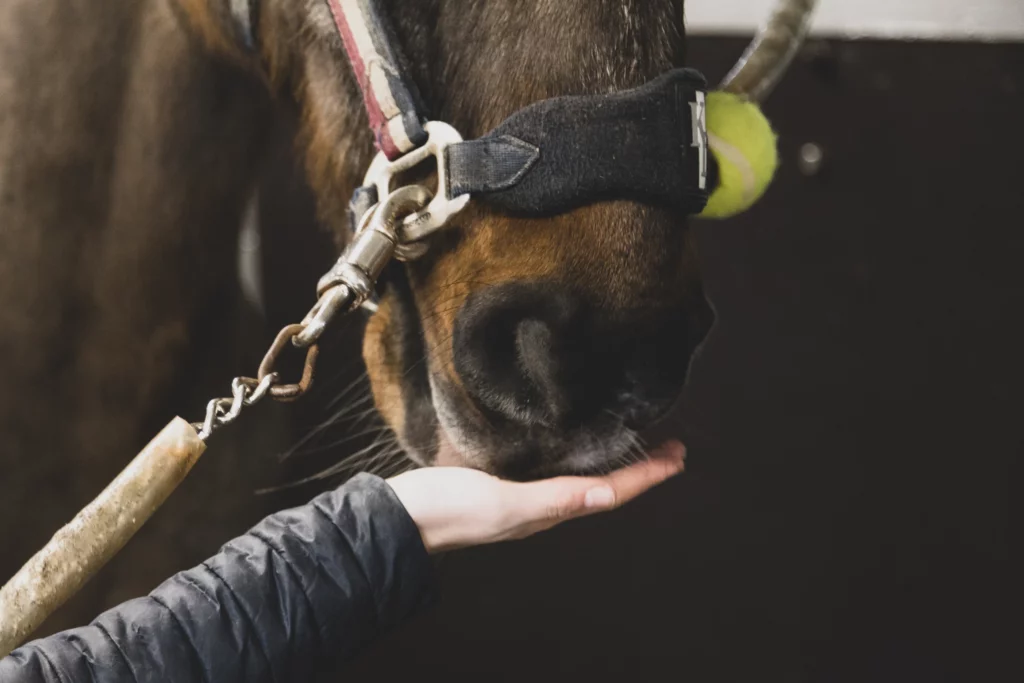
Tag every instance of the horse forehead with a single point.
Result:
(573, 33)
(497, 59)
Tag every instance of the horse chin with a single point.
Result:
(463, 439)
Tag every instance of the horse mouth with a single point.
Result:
(438, 424)
(460, 441)
(462, 437)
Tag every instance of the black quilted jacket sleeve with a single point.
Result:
(303, 589)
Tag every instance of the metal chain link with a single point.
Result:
(344, 288)
(222, 411)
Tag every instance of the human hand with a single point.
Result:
(457, 507)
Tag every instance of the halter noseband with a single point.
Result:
(647, 144)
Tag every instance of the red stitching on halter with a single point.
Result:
(389, 105)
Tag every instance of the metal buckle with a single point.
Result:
(442, 207)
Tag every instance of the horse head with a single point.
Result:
(523, 346)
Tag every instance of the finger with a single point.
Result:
(563, 498)
(622, 486)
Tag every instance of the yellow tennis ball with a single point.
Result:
(744, 145)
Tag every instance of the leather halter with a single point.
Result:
(647, 144)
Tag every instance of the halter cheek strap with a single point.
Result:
(391, 103)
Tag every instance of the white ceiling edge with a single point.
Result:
(973, 20)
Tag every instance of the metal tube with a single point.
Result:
(772, 50)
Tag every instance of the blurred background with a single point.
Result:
(853, 421)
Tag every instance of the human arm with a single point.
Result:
(311, 586)
(303, 588)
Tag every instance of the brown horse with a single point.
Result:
(132, 136)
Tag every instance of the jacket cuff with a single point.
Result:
(359, 559)
(387, 544)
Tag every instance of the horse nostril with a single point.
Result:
(512, 351)
(541, 358)
(655, 365)
(533, 354)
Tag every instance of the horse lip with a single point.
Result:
(452, 444)
(589, 451)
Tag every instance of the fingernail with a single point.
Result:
(601, 497)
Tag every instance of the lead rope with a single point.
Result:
(83, 546)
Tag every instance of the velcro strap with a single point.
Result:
(490, 164)
(648, 144)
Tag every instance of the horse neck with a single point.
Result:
(126, 157)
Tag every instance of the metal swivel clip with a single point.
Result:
(351, 281)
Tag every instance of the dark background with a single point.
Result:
(853, 422)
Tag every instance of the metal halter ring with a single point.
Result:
(442, 207)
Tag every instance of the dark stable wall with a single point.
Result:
(853, 423)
